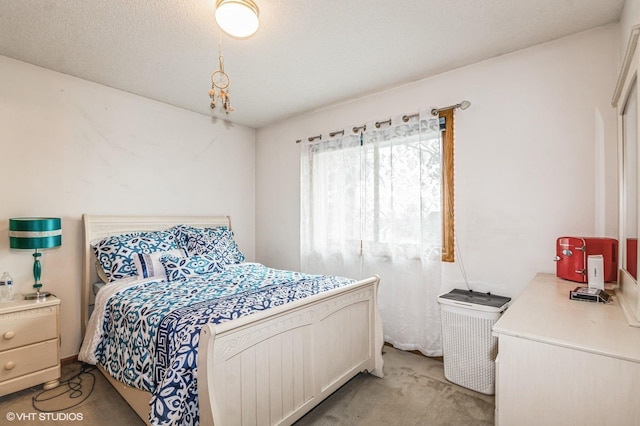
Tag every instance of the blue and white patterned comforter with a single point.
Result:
(145, 333)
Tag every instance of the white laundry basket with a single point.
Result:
(468, 347)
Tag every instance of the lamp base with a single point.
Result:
(37, 296)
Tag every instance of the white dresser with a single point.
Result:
(29, 344)
(565, 362)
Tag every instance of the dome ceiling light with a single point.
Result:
(237, 18)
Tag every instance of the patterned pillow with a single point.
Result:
(101, 274)
(183, 267)
(149, 265)
(217, 242)
(115, 254)
(181, 233)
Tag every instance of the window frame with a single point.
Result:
(448, 229)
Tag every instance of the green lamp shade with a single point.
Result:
(35, 233)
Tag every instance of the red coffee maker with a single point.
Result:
(572, 253)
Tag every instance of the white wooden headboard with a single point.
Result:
(98, 227)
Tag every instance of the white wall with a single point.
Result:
(71, 147)
(535, 157)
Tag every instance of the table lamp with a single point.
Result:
(34, 233)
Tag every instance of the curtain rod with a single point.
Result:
(462, 105)
(435, 111)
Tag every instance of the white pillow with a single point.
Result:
(148, 264)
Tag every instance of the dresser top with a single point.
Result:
(20, 304)
(545, 313)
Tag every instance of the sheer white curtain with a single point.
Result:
(371, 205)
(403, 228)
(330, 219)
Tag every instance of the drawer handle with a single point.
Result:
(9, 365)
(9, 335)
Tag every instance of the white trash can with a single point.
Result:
(468, 347)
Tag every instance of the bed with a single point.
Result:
(270, 366)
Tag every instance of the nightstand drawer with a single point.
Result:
(28, 326)
(28, 359)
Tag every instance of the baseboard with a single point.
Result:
(439, 358)
(69, 360)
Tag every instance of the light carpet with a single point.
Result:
(413, 391)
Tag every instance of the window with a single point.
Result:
(379, 190)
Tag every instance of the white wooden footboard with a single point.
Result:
(272, 367)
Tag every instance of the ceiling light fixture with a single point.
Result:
(238, 18)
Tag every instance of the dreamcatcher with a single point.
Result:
(220, 84)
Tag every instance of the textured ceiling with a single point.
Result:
(305, 55)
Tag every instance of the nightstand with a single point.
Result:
(29, 344)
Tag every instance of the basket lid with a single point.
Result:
(475, 298)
